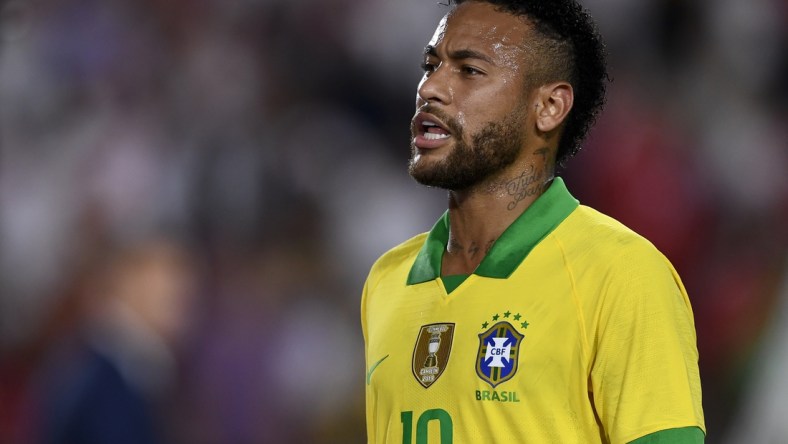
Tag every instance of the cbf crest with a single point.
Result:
(431, 353)
(499, 350)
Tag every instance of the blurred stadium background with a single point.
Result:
(198, 188)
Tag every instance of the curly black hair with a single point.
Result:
(570, 48)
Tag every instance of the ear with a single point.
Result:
(554, 101)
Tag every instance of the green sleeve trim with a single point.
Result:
(683, 435)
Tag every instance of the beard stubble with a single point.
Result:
(493, 148)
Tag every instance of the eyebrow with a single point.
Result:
(460, 54)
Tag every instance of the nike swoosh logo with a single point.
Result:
(374, 366)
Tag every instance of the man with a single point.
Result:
(522, 316)
(106, 383)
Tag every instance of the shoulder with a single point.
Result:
(397, 259)
(591, 234)
(608, 258)
(617, 269)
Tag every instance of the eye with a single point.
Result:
(428, 67)
(471, 71)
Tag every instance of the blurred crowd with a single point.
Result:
(192, 192)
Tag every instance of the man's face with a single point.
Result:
(471, 112)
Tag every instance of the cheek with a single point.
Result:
(461, 119)
(474, 114)
(477, 115)
(492, 102)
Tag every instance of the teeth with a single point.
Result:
(433, 136)
(428, 123)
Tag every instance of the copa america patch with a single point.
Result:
(431, 353)
(499, 348)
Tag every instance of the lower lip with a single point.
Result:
(422, 142)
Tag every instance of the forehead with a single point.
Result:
(478, 25)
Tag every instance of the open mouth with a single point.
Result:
(432, 131)
(429, 131)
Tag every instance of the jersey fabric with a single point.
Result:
(573, 329)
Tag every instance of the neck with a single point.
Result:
(480, 215)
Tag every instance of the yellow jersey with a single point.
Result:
(573, 329)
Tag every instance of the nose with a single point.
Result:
(434, 86)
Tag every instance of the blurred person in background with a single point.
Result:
(106, 383)
(579, 330)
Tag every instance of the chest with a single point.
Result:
(488, 334)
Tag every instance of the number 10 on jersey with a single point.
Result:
(422, 425)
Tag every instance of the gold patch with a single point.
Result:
(431, 353)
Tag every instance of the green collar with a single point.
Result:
(509, 251)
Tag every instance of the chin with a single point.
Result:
(429, 175)
(420, 169)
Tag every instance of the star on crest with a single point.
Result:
(507, 315)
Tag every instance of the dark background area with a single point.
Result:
(195, 190)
